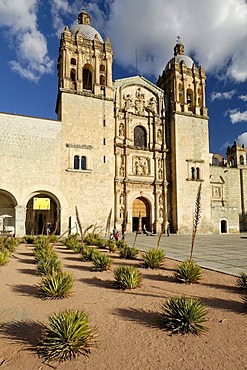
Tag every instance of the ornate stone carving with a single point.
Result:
(160, 168)
(128, 105)
(152, 105)
(141, 166)
(140, 101)
(121, 129)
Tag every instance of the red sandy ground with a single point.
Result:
(128, 327)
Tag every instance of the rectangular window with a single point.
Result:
(104, 159)
(104, 141)
(104, 123)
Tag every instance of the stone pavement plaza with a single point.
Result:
(225, 253)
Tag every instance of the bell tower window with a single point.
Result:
(87, 79)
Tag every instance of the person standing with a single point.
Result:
(168, 229)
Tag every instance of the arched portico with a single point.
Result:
(43, 208)
(141, 214)
(7, 212)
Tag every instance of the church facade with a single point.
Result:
(124, 153)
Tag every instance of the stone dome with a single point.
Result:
(180, 57)
(84, 25)
(87, 31)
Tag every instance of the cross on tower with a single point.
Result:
(84, 6)
(178, 39)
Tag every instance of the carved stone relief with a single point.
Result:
(140, 101)
(160, 168)
(140, 166)
(121, 129)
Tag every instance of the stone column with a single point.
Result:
(20, 220)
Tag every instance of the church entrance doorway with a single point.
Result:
(141, 215)
(43, 215)
(223, 227)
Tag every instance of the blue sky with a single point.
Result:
(214, 34)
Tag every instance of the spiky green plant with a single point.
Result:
(11, 243)
(121, 243)
(42, 253)
(72, 242)
(153, 258)
(242, 281)
(127, 277)
(101, 262)
(196, 219)
(184, 315)
(188, 272)
(67, 335)
(57, 285)
(112, 245)
(128, 252)
(29, 239)
(88, 253)
(4, 257)
(48, 265)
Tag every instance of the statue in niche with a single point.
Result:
(128, 102)
(121, 170)
(160, 200)
(161, 212)
(160, 169)
(121, 199)
(145, 167)
(138, 168)
(152, 106)
(159, 134)
(140, 101)
(121, 212)
(121, 129)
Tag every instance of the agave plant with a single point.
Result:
(188, 272)
(184, 315)
(67, 335)
(127, 277)
(29, 239)
(57, 285)
(242, 281)
(11, 243)
(128, 252)
(101, 262)
(153, 258)
(112, 245)
(4, 257)
(48, 265)
(41, 253)
(72, 242)
(88, 253)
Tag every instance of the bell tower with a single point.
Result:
(187, 139)
(85, 61)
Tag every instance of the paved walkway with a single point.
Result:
(224, 253)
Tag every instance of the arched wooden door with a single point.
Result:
(141, 214)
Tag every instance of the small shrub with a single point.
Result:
(11, 243)
(188, 272)
(88, 253)
(242, 281)
(67, 335)
(153, 258)
(29, 239)
(57, 285)
(112, 245)
(49, 265)
(101, 262)
(41, 241)
(4, 257)
(72, 242)
(121, 243)
(42, 253)
(128, 252)
(184, 315)
(127, 277)
(53, 238)
(94, 239)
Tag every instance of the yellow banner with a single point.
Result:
(41, 203)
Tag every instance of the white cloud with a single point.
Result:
(222, 95)
(242, 139)
(214, 32)
(236, 116)
(243, 97)
(19, 20)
